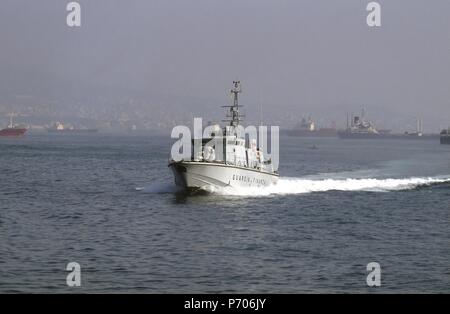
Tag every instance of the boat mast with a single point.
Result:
(261, 135)
(260, 115)
(11, 121)
(233, 114)
(234, 110)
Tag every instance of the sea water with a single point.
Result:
(109, 203)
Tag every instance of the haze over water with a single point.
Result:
(155, 64)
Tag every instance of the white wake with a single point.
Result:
(159, 188)
(288, 185)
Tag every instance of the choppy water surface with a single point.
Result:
(109, 204)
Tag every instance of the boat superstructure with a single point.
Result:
(235, 163)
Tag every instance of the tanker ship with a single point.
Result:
(12, 130)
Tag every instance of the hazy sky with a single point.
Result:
(296, 57)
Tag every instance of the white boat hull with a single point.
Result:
(209, 175)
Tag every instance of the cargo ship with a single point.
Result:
(445, 136)
(361, 128)
(307, 128)
(12, 130)
(60, 128)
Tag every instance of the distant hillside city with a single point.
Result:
(45, 102)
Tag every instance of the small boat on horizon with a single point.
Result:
(60, 128)
(307, 128)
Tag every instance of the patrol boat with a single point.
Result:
(235, 165)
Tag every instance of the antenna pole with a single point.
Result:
(260, 115)
(235, 117)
